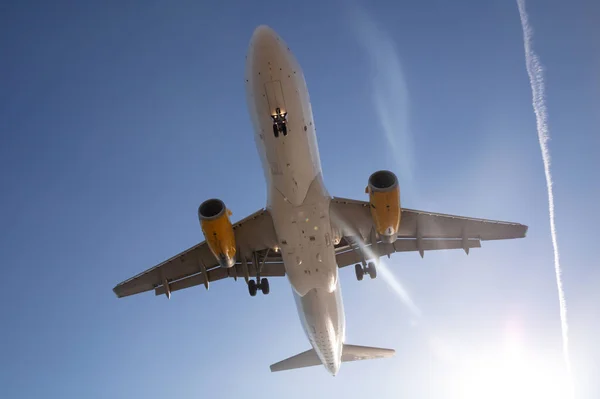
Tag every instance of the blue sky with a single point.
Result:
(117, 121)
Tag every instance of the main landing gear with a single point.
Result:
(253, 287)
(279, 122)
(259, 283)
(371, 269)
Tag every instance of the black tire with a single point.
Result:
(275, 130)
(284, 129)
(252, 288)
(264, 286)
(372, 270)
(360, 273)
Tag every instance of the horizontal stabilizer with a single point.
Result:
(350, 353)
(304, 359)
(354, 352)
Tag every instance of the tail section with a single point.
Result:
(350, 353)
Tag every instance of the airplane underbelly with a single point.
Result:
(305, 237)
(284, 133)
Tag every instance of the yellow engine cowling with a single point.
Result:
(218, 231)
(384, 198)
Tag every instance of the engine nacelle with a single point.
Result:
(384, 198)
(218, 231)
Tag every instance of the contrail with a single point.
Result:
(536, 78)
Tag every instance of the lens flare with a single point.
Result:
(383, 270)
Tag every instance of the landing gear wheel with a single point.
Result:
(284, 129)
(264, 286)
(360, 273)
(275, 130)
(372, 270)
(252, 288)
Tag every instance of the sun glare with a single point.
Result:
(510, 372)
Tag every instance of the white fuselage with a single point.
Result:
(297, 198)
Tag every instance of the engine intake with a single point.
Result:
(384, 199)
(218, 231)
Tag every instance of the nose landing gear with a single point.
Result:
(279, 122)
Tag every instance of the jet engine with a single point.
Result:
(218, 231)
(384, 198)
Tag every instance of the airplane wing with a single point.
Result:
(197, 265)
(419, 231)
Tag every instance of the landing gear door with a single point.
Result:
(275, 96)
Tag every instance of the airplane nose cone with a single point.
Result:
(264, 36)
(266, 50)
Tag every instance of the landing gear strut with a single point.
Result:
(260, 283)
(360, 271)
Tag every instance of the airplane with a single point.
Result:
(304, 233)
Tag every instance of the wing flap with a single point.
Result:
(351, 256)
(219, 273)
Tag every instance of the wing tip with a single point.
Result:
(525, 228)
(119, 291)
